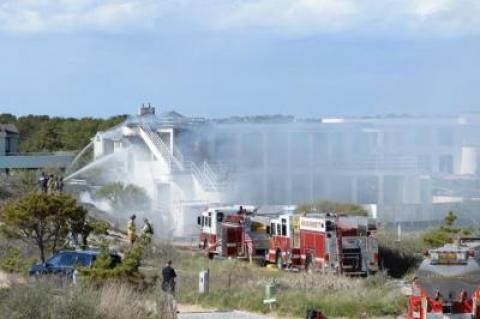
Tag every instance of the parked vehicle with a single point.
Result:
(447, 283)
(64, 262)
(233, 232)
(327, 242)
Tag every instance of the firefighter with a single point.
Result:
(43, 181)
(147, 231)
(309, 261)
(250, 251)
(132, 230)
(168, 276)
(51, 184)
(59, 186)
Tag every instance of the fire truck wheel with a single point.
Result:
(211, 255)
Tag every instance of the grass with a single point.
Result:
(233, 285)
(238, 285)
(54, 300)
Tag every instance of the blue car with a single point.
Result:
(63, 262)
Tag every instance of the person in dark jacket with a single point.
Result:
(169, 275)
(43, 181)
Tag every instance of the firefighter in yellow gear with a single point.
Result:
(132, 230)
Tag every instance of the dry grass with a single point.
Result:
(57, 300)
(238, 285)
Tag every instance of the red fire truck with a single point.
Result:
(233, 232)
(447, 283)
(327, 242)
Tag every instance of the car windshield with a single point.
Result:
(54, 260)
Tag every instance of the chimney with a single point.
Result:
(144, 111)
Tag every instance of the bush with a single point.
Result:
(128, 271)
(124, 198)
(45, 300)
(11, 260)
(239, 285)
(447, 233)
(398, 258)
(325, 206)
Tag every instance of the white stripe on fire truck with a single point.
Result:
(316, 258)
(231, 245)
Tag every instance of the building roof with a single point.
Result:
(172, 114)
(8, 128)
(35, 161)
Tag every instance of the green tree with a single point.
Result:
(42, 219)
(124, 197)
(450, 219)
(49, 138)
(446, 233)
(128, 270)
(325, 206)
(41, 132)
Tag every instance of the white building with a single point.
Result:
(399, 166)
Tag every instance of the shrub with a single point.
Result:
(398, 258)
(114, 300)
(325, 206)
(11, 260)
(127, 271)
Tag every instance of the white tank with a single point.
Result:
(469, 160)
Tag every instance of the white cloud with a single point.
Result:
(34, 16)
(297, 17)
(430, 17)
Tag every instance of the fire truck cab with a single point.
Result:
(283, 248)
(232, 231)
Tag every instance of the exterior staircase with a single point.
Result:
(204, 174)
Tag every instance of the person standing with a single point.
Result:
(132, 230)
(168, 275)
(51, 184)
(60, 185)
(43, 181)
(147, 231)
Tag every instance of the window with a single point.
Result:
(279, 229)
(55, 260)
(446, 164)
(8, 147)
(67, 260)
(284, 227)
(272, 229)
(83, 260)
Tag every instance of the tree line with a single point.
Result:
(40, 133)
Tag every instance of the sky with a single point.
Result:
(220, 58)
